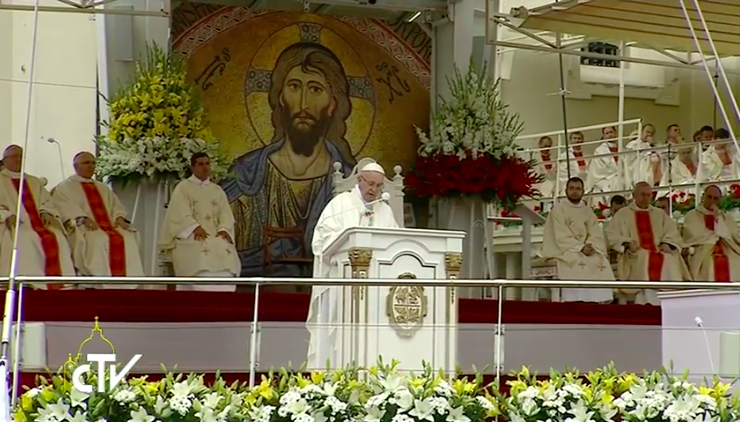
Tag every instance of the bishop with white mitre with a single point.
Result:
(360, 207)
(715, 237)
(42, 248)
(575, 240)
(198, 231)
(650, 243)
(103, 242)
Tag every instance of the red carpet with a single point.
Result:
(181, 306)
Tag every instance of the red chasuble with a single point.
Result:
(52, 262)
(647, 241)
(719, 257)
(117, 251)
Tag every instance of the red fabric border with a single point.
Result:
(187, 306)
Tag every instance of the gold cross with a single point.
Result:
(207, 217)
(205, 249)
(602, 267)
(582, 264)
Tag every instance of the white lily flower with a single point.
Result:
(374, 414)
(422, 410)
(457, 415)
(140, 415)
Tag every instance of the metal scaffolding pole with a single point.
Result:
(59, 9)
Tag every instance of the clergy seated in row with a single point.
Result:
(575, 240)
(715, 238)
(649, 243)
(682, 169)
(103, 242)
(360, 207)
(42, 248)
(198, 231)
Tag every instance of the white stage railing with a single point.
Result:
(259, 282)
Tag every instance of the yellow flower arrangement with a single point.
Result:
(156, 124)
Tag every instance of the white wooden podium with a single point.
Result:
(710, 349)
(408, 323)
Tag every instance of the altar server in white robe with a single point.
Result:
(575, 240)
(715, 238)
(650, 243)
(103, 242)
(721, 161)
(578, 164)
(546, 166)
(360, 207)
(42, 247)
(198, 231)
(605, 173)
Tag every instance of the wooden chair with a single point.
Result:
(303, 261)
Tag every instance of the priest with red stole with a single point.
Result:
(650, 243)
(42, 248)
(716, 239)
(103, 242)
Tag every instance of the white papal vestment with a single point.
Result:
(344, 211)
(569, 228)
(194, 203)
(42, 250)
(107, 251)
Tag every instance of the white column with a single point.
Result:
(513, 269)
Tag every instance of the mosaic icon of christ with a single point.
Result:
(287, 183)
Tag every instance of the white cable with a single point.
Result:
(700, 324)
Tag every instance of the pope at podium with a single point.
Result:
(360, 207)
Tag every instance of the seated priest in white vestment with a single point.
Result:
(574, 239)
(362, 206)
(198, 231)
(574, 159)
(546, 166)
(103, 242)
(605, 173)
(650, 166)
(42, 247)
(650, 243)
(715, 238)
(683, 168)
(721, 161)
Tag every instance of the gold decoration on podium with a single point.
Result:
(72, 362)
(406, 307)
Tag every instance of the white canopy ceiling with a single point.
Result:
(654, 23)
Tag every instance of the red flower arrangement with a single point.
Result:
(502, 181)
(600, 211)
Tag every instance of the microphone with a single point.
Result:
(59, 151)
(699, 323)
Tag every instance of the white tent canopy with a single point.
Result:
(655, 23)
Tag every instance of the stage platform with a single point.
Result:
(208, 331)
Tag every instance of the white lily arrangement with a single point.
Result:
(608, 396)
(472, 120)
(155, 157)
(384, 394)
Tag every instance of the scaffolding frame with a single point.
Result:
(518, 17)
